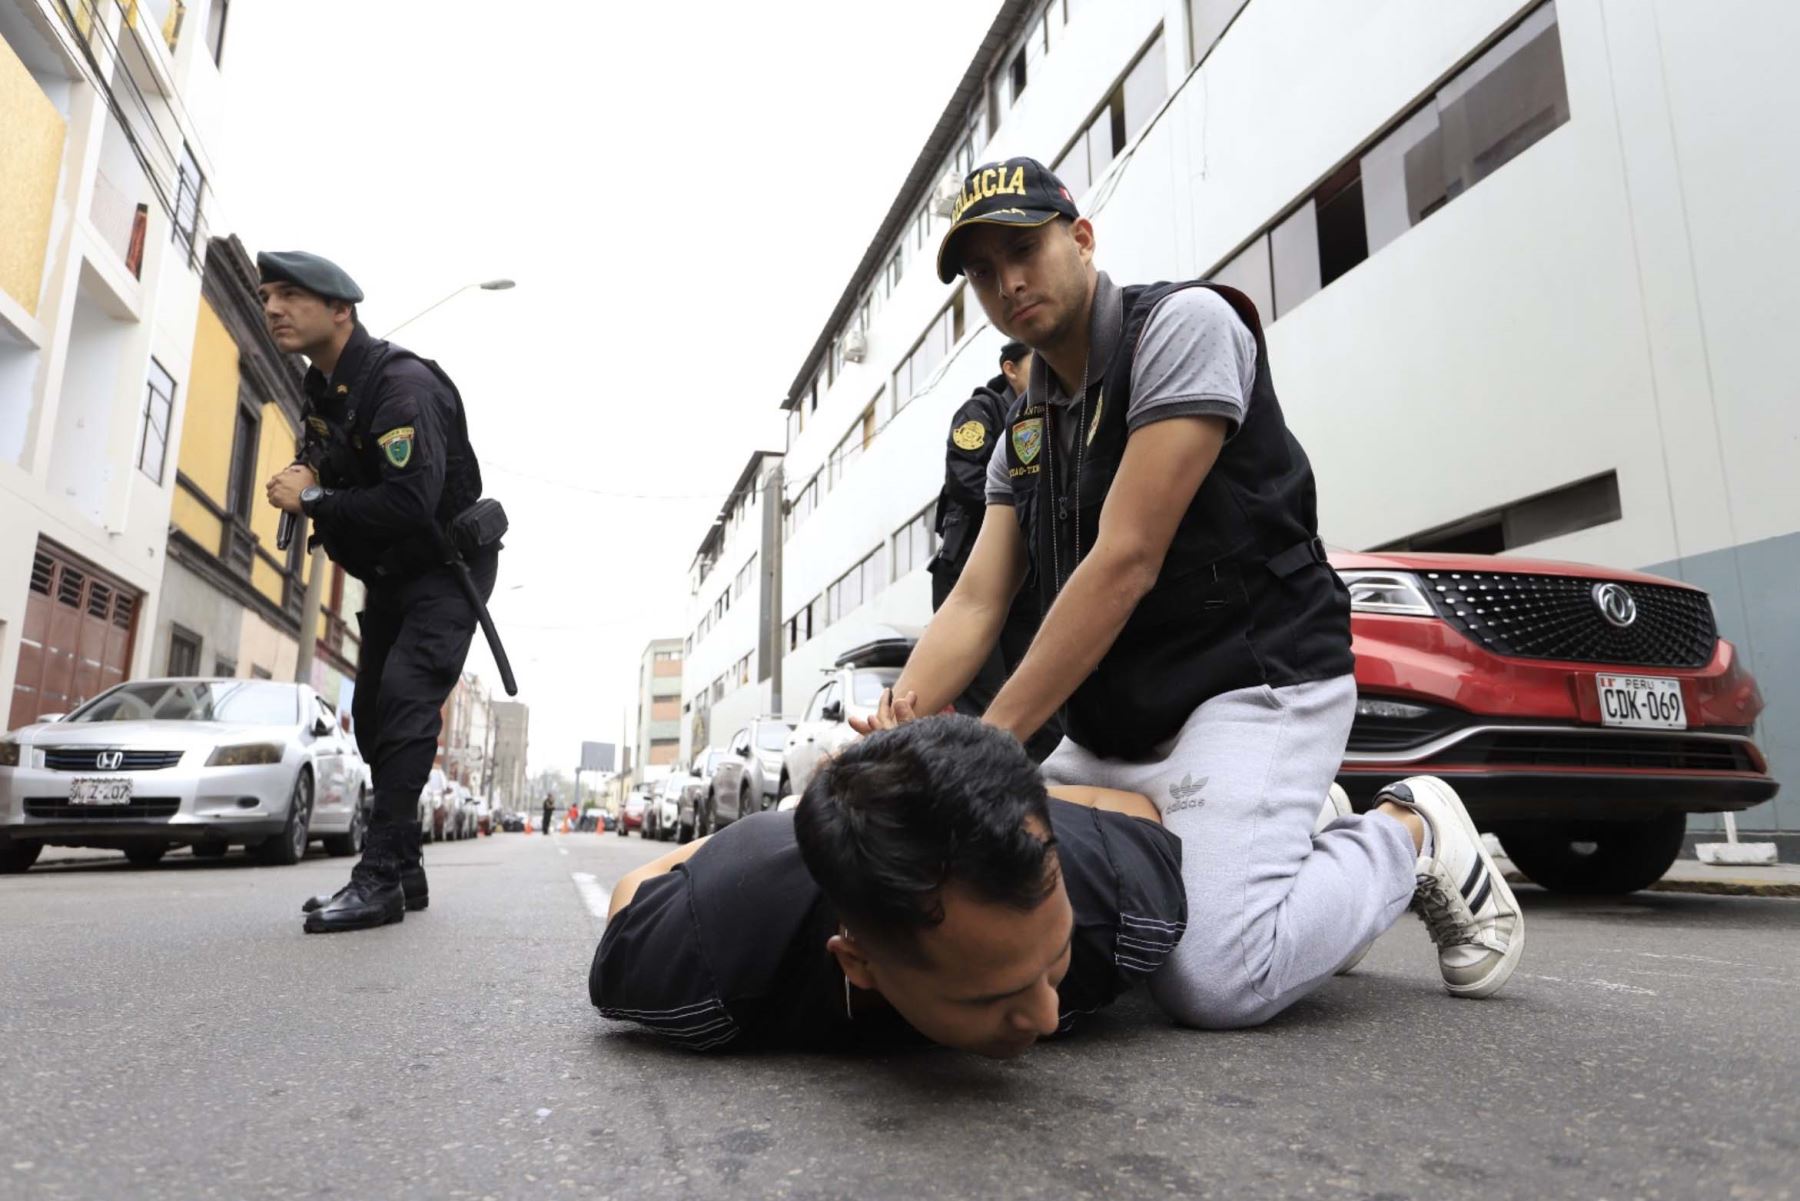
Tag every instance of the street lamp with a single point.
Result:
(492, 285)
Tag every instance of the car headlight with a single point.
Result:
(245, 754)
(9, 753)
(1391, 592)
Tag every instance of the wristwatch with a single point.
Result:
(310, 496)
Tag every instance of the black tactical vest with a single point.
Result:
(1245, 597)
(353, 459)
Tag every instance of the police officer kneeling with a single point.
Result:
(384, 470)
(1194, 638)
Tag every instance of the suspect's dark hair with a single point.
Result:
(1013, 352)
(889, 823)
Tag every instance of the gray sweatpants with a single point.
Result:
(1273, 909)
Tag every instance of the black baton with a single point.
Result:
(461, 571)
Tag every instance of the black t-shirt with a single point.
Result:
(728, 949)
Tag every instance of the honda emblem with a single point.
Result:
(109, 760)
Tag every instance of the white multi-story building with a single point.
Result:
(1527, 271)
(726, 677)
(105, 112)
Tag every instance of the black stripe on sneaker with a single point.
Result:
(1474, 875)
(1475, 902)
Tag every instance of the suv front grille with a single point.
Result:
(1557, 617)
(82, 758)
(141, 808)
(1578, 749)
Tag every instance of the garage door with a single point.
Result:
(77, 636)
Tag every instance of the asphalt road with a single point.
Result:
(171, 1033)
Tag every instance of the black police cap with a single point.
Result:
(1013, 352)
(317, 275)
(1019, 191)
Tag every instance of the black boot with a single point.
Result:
(412, 867)
(412, 875)
(373, 897)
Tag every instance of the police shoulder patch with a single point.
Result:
(1028, 439)
(397, 445)
(970, 435)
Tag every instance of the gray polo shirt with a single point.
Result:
(1195, 358)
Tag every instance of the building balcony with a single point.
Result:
(120, 221)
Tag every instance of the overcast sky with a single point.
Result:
(681, 192)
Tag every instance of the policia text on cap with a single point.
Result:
(1194, 638)
(390, 482)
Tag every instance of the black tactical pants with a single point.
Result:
(415, 637)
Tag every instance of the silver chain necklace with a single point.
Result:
(1050, 464)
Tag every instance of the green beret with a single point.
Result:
(318, 275)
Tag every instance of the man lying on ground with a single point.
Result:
(926, 889)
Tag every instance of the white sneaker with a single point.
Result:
(1337, 804)
(1462, 897)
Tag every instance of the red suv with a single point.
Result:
(1581, 712)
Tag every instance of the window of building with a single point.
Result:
(159, 404)
(1207, 22)
(745, 577)
(874, 571)
(224, 668)
(188, 185)
(184, 652)
(259, 673)
(1015, 76)
(895, 268)
(1480, 120)
(805, 501)
(915, 542)
(933, 346)
(1508, 98)
(666, 657)
(215, 29)
(800, 626)
(241, 491)
(1122, 115)
(1578, 506)
(1248, 272)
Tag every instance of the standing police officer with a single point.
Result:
(1194, 635)
(961, 505)
(384, 467)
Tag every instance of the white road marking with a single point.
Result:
(562, 850)
(592, 894)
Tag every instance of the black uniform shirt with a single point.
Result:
(728, 949)
(399, 460)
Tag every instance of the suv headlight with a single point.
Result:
(245, 754)
(9, 753)
(1391, 592)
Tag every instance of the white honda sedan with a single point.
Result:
(206, 763)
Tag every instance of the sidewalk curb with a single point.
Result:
(1718, 888)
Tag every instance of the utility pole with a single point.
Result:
(309, 611)
(772, 634)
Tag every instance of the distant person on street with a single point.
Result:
(384, 470)
(549, 808)
(926, 890)
(1195, 638)
(961, 505)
